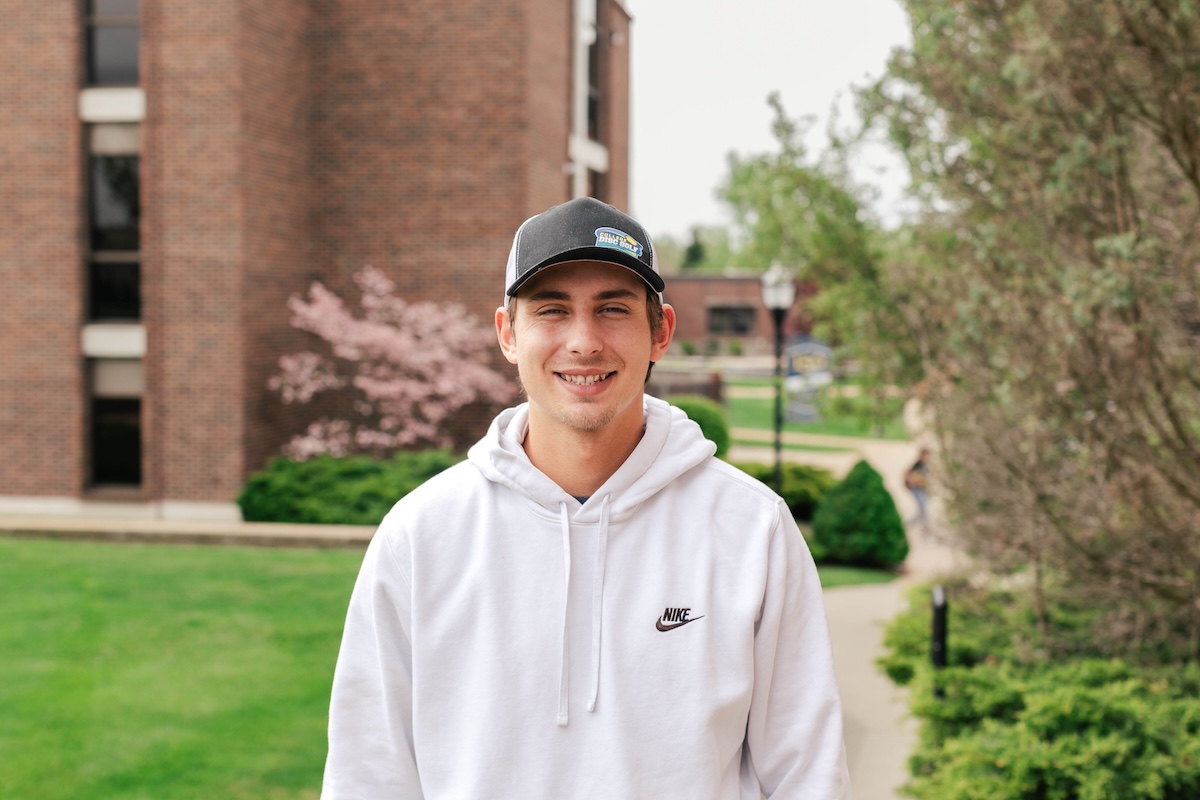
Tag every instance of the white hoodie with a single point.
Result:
(665, 639)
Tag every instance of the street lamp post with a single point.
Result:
(779, 292)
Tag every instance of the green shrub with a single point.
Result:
(1085, 729)
(857, 522)
(803, 486)
(357, 490)
(735, 347)
(1010, 724)
(687, 348)
(709, 415)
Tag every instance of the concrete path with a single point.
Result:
(879, 733)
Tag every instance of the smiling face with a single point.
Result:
(582, 342)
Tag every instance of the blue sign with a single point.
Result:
(809, 369)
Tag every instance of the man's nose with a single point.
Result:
(584, 335)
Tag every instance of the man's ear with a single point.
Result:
(661, 341)
(505, 335)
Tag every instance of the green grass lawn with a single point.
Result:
(833, 575)
(143, 671)
(759, 412)
(807, 448)
(165, 672)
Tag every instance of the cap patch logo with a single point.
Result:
(618, 240)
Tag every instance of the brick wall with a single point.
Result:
(194, 213)
(617, 21)
(548, 110)
(419, 139)
(274, 104)
(41, 252)
(283, 143)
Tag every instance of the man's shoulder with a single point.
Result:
(449, 483)
(720, 470)
(433, 504)
(717, 475)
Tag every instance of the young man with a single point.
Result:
(592, 605)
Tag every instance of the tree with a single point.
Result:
(808, 215)
(410, 367)
(708, 251)
(693, 254)
(1053, 288)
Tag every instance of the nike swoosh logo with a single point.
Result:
(674, 625)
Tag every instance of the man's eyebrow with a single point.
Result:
(547, 294)
(616, 294)
(608, 294)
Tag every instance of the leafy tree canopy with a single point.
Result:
(1052, 290)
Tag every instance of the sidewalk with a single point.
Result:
(878, 731)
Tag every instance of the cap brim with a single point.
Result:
(603, 254)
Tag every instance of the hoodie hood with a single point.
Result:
(671, 445)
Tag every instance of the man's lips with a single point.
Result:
(584, 380)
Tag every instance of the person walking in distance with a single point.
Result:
(591, 605)
(916, 480)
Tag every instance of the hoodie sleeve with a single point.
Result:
(370, 715)
(794, 746)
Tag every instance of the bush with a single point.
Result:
(803, 486)
(1010, 726)
(857, 522)
(356, 490)
(1088, 729)
(708, 415)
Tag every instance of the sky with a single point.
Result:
(702, 71)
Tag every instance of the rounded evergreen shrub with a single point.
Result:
(356, 490)
(709, 415)
(857, 522)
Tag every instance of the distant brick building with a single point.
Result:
(175, 170)
(717, 311)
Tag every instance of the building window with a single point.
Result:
(116, 421)
(736, 320)
(112, 45)
(597, 185)
(114, 285)
(116, 441)
(115, 210)
(113, 289)
(597, 67)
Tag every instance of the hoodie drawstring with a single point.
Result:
(597, 610)
(598, 601)
(565, 667)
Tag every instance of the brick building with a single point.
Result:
(174, 171)
(719, 310)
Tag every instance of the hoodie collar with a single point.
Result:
(671, 445)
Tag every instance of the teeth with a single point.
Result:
(585, 380)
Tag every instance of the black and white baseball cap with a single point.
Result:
(583, 229)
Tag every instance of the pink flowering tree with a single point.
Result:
(409, 366)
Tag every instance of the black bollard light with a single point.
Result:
(937, 649)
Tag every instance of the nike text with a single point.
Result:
(675, 618)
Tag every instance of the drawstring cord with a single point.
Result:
(598, 601)
(597, 610)
(565, 667)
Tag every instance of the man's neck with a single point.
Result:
(579, 461)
